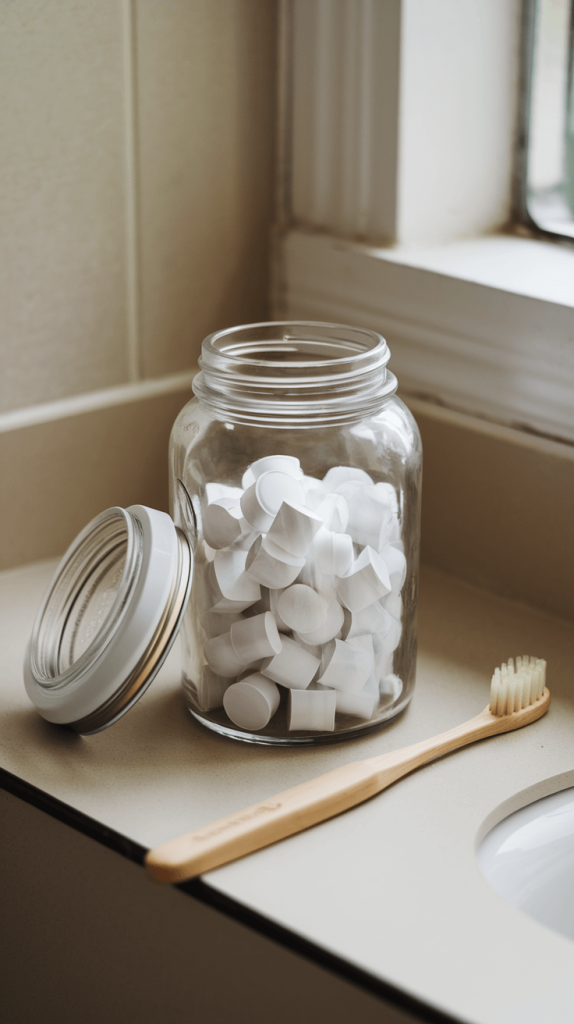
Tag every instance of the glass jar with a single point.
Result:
(295, 473)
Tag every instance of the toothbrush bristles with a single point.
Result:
(517, 686)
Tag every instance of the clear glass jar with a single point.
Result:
(301, 626)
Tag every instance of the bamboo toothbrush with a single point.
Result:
(518, 696)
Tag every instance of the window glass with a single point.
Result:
(549, 116)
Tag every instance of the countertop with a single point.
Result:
(391, 888)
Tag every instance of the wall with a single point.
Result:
(497, 508)
(136, 188)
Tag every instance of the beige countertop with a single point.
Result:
(391, 887)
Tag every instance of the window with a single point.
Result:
(548, 116)
(398, 157)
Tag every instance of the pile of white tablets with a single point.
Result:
(304, 581)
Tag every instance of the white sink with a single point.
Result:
(529, 859)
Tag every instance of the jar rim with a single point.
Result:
(358, 347)
(290, 371)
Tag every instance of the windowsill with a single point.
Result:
(523, 266)
(483, 326)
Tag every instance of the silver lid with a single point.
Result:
(109, 618)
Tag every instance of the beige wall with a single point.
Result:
(136, 182)
(497, 508)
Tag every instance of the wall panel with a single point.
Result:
(206, 110)
(62, 200)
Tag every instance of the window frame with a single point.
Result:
(521, 210)
(482, 324)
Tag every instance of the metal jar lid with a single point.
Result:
(109, 618)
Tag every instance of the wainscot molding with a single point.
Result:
(470, 336)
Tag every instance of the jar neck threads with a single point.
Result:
(294, 373)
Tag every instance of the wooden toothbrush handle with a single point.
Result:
(292, 811)
(262, 824)
(316, 800)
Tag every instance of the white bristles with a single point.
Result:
(497, 701)
(516, 686)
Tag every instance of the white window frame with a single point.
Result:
(395, 197)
